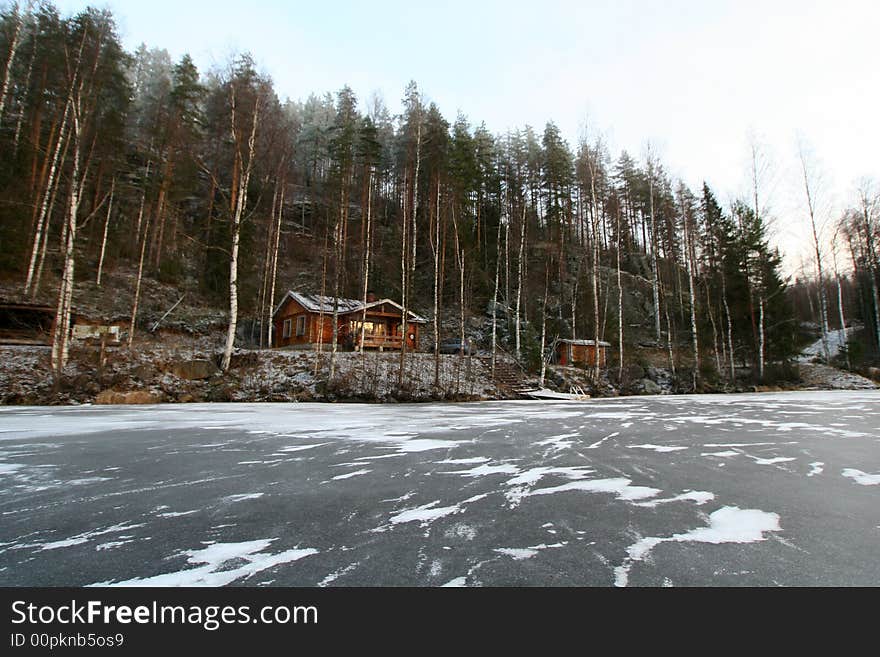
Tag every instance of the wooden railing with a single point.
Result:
(380, 341)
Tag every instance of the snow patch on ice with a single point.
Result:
(485, 470)
(217, 559)
(332, 577)
(349, 475)
(862, 478)
(609, 437)
(473, 461)
(661, 449)
(232, 499)
(425, 514)
(773, 461)
(698, 496)
(521, 554)
(176, 514)
(727, 525)
(85, 537)
(619, 486)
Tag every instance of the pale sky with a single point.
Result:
(695, 77)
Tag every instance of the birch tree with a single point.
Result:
(244, 143)
(809, 189)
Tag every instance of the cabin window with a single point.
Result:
(300, 326)
(288, 326)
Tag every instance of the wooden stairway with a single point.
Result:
(507, 375)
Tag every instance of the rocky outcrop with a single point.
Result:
(194, 370)
(136, 397)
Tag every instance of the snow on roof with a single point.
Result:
(317, 303)
(585, 343)
(417, 319)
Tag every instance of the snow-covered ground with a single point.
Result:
(836, 340)
(698, 490)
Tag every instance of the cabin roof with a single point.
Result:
(316, 303)
(584, 343)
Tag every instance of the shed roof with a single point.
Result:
(584, 343)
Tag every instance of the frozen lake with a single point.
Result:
(771, 489)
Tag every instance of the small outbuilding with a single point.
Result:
(572, 353)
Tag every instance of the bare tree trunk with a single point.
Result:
(840, 312)
(693, 300)
(338, 242)
(106, 229)
(140, 275)
(669, 338)
(495, 302)
(321, 313)
(404, 278)
(519, 283)
(711, 314)
(263, 299)
(619, 301)
(729, 330)
(38, 277)
(655, 282)
(544, 327)
(761, 338)
(44, 207)
(867, 204)
(368, 243)
(435, 247)
(594, 214)
(241, 203)
(13, 49)
(27, 85)
(823, 301)
(61, 336)
(274, 276)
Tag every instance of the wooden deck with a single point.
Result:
(380, 342)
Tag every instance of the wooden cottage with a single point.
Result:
(306, 320)
(583, 353)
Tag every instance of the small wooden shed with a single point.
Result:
(573, 353)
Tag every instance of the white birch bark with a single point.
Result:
(106, 230)
(655, 282)
(495, 302)
(61, 335)
(544, 329)
(619, 301)
(241, 204)
(761, 339)
(519, 283)
(693, 301)
(435, 246)
(823, 301)
(367, 255)
(13, 50)
(274, 275)
(44, 206)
